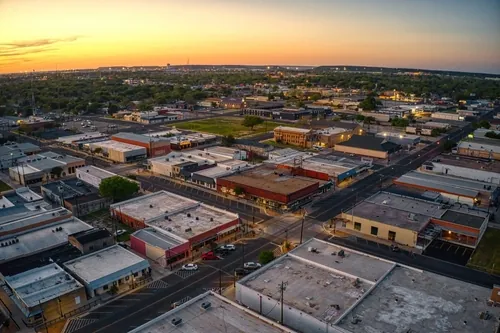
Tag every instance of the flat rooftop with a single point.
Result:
(407, 204)
(446, 184)
(223, 150)
(390, 216)
(157, 238)
(103, 263)
(468, 162)
(292, 129)
(193, 221)
(118, 146)
(409, 300)
(223, 316)
(311, 289)
(273, 180)
(139, 137)
(95, 171)
(468, 220)
(78, 137)
(40, 239)
(331, 131)
(151, 206)
(42, 284)
(23, 221)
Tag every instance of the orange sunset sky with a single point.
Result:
(445, 34)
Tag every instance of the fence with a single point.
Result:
(67, 315)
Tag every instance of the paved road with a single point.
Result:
(155, 299)
(419, 261)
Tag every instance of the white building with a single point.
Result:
(110, 267)
(447, 116)
(120, 152)
(93, 175)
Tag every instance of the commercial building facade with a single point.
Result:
(154, 146)
(294, 136)
(368, 146)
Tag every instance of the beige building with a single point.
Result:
(293, 136)
(368, 146)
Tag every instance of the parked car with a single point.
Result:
(189, 267)
(120, 232)
(241, 271)
(209, 256)
(229, 247)
(251, 265)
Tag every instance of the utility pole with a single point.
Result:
(302, 228)
(242, 254)
(220, 281)
(282, 287)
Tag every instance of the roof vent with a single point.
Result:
(176, 321)
(188, 230)
(188, 214)
(150, 206)
(206, 305)
(211, 219)
(196, 218)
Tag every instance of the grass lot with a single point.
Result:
(486, 257)
(4, 187)
(226, 126)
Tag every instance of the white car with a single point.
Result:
(120, 232)
(251, 265)
(189, 267)
(228, 247)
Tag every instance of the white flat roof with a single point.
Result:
(292, 129)
(118, 146)
(401, 135)
(40, 239)
(95, 171)
(196, 156)
(193, 221)
(223, 316)
(103, 263)
(30, 218)
(331, 130)
(154, 205)
(42, 284)
(77, 137)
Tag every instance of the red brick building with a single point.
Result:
(154, 146)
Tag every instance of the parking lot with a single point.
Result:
(96, 126)
(449, 252)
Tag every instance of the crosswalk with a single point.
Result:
(215, 289)
(185, 274)
(158, 284)
(78, 323)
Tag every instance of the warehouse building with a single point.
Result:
(402, 139)
(154, 146)
(120, 152)
(230, 153)
(212, 313)
(479, 147)
(187, 222)
(279, 156)
(93, 175)
(368, 146)
(483, 170)
(78, 140)
(415, 222)
(45, 293)
(274, 188)
(452, 189)
(447, 116)
(35, 169)
(328, 288)
(39, 233)
(112, 269)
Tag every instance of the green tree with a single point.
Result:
(449, 145)
(228, 140)
(238, 190)
(369, 120)
(57, 171)
(117, 188)
(266, 257)
(360, 117)
(492, 135)
(369, 103)
(400, 122)
(97, 150)
(112, 108)
(252, 121)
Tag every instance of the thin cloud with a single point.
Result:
(20, 48)
(14, 52)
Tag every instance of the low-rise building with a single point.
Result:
(230, 153)
(212, 313)
(452, 189)
(415, 222)
(38, 233)
(189, 222)
(93, 175)
(329, 288)
(10, 153)
(274, 188)
(120, 152)
(483, 170)
(291, 135)
(78, 140)
(45, 293)
(154, 146)
(91, 240)
(329, 137)
(75, 195)
(208, 177)
(113, 269)
(35, 169)
(368, 146)
(447, 116)
(402, 139)
(20, 203)
(479, 147)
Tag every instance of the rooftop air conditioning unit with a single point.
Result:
(176, 321)
(206, 305)
(188, 230)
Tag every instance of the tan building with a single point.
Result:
(293, 136)
(329, 137)
(45, 293)
(368, 146)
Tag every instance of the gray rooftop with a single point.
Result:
(42, 284)
(422, 302)
(139, 137)
(40, 239)
(446, 184)
(223, 316)
(157, 238)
